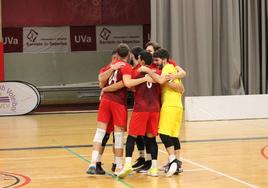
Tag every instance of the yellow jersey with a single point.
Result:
(169, 96)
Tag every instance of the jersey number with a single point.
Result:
(113, 78)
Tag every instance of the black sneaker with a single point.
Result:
(179, 168)
(113, 167)
(139, 162)
(143, 169)
(99, 169)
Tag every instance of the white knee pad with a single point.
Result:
(100, 133)
(118, 140)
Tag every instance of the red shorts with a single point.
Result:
(143, 122)
(110, 111)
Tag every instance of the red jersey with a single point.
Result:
(119, 96)
(172, 62)
(147, 96)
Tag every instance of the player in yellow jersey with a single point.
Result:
(171, 110)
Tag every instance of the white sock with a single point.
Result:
(118, 162)
(141, 153)
(99, 158)
(171, 158)
(148, 157)
(154, 163)
(128, 160)
(94, 156)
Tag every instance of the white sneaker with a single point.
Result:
(172, 168)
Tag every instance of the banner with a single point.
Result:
(83, 38)
(12, 38)
(108, 37)
(46, 39)
(17, 98)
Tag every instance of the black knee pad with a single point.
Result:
(140, 143)
(167, 141)
(130, 145)
(147, 144)
(176, 143)
(153, 147)
(105, 139)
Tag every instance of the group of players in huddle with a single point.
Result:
(155, 80)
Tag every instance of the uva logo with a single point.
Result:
(11, 41)
(82, 39)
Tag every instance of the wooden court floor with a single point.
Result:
(54, 151)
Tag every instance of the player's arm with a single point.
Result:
(129, 82)
(179, 75)
(114, 87)
(104, 76)
(156, 77)
(178, 87)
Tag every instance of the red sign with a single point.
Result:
(146, 34)
(83, 38)
(12, 39)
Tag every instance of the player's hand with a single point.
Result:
(148, 78)
(169, 77)
(117, 66)
(143, 69)
(101, 93)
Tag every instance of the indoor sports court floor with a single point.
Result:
(53, 150)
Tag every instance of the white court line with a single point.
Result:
(36, 158)
(215, 171)
(194, 169)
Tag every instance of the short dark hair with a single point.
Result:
(122, 50)
(162, 54)
(146, 57)
(155, 45)
(114, 51)
(136, 51)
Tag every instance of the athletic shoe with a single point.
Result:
(179, 168)
(99, 169)
(113, 167)
(172, 168)
(139, 162)
(153, 172)
(117, 171)
(91, 169)
(164, 168)
(143, 169)
(125, 171)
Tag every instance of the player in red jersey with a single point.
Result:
(114, 106)
(145, 117)
(110, 126)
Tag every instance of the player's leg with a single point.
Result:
(97, 141)
(113, 164)
(104, 116)
(168, 143)
(153, 170)
(130, 144)
(151, 133)
(141, 146)
(177, 147)
(168, 128)
(119, 113)
(137, 127)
